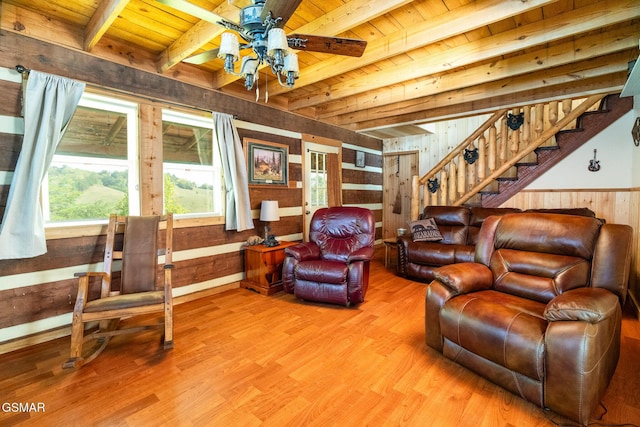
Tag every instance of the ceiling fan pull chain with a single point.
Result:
(257, 86)
(266, 89)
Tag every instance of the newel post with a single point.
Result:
(415, 197)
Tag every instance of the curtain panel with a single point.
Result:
(238, 204)
(49, 104)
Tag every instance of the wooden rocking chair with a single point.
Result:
(134, 240)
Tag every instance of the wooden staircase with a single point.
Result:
(508, 159)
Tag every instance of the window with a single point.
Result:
(192, 169)
(318, 175)
(94, 171)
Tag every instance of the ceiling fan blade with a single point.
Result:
(280, 8)
(197, 11)
(203, 57)
(335, 45)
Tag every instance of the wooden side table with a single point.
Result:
(263, 268)
(389, 244)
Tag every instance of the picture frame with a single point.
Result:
(360, 161)
(267, 162)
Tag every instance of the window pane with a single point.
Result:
(90, 175)
(318, 179)
(192, 179)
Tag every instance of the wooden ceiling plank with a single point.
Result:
(196, 37)
(37, 25)
(105, 14)
(416, 36)
(350, 15)
(518, 91)
(565, 25)
(591, 46)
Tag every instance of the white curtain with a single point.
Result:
(49, 104)
(238, 205)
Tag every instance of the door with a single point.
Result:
(321, 179)
(398, 170)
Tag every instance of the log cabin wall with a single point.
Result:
(37, 295)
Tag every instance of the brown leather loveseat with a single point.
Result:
(539, 311)
(459, 226)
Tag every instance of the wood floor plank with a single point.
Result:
(241, 358)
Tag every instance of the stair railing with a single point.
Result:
(501, 142)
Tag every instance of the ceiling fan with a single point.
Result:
(261, 29)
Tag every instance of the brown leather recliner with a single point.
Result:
(333, 266)
(539, 311)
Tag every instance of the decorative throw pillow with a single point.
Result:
(425, 230)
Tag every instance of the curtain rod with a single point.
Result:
(24, 70)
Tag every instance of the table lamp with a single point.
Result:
(269, 212)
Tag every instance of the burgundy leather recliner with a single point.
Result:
(333, 266)
(539, 311)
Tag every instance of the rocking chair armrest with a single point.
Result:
(83, 284)
(90, 274)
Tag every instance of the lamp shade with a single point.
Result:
(291, 64)
(229, 45)
(269, 211)
(277, 40)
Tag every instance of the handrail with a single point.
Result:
(456, 151)
(514, 146)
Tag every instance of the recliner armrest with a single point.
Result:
(303, 251)
(465, 277)
(362, 254)
(583, 304)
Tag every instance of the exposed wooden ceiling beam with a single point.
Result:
(114, 130)
(584, 48)
(580, 20)
(196, 37)
(512, 92)
(106, 13)
(337, 21)
(416, 36)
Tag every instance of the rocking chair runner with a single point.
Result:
(139, 292)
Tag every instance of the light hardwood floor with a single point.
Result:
(243, 359)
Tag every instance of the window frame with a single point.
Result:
(193, 119)
(109, 104)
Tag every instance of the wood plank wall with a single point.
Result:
(615, 206)
(38, 294)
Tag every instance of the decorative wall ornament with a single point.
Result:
(594, 165)
(635, 132)
(267, 162)
(433, 185)
(515, 121)
(470, 156)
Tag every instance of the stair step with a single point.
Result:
(588, 125)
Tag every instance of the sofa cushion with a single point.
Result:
(431, 253)
(478, 215)
(322, 271)
(452, 221)
(424, 230)
(512, 332)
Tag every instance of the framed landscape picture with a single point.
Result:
(267, 162)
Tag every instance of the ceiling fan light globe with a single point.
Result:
(229, 45)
